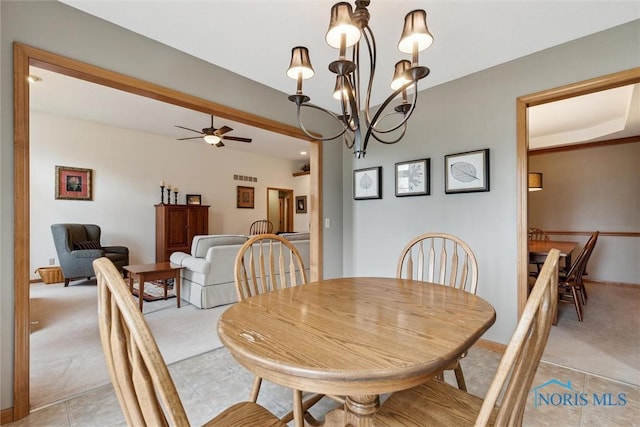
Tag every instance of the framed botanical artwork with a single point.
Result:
(413, 178)
(73, 183)
(301, 204)
(466, 172)
(245, 197)
(367, 183)
(194, 199)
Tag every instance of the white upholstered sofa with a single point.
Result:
(207, 277)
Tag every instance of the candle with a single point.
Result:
(175, 189)
(169, 186)
(161, 183)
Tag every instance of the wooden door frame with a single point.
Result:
(25, 56)
(597, 84)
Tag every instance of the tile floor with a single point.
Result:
(210, 382)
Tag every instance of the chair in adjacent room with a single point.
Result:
(262, 226)
(78, 245)
(571, 287)
(536, 234)
(438, 403)
(445, 259)
(264, 263)
(141, 380)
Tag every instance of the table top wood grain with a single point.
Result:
(354, 336)
(542, 247)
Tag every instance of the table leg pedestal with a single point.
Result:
(358, 412)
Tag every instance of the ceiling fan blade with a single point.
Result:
(236, 138)
(223, 130)
(220, 144)
(193, 137)
(192, 130)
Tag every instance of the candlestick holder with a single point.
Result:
(168, 195)
(162, 194)
(175, 197)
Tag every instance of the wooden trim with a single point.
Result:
(301, 173)
(597, 84)
(491, 345)
(597, 144)
(635, 286)
(589, 233)
(24, 56)
(6, 416)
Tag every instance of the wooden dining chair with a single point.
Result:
(264, 263)
(438, 403)
(571, 287)
(262, 226)
(445, 259)
(536, 234)
(141, 380)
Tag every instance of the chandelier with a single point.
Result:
(346, 30)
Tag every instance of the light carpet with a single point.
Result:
(66, 355)
(607, 341)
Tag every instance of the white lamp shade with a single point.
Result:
(415, 32)
(211, 139)
(342, 23)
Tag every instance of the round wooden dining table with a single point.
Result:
(355, 337)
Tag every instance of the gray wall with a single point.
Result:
(474, 112)
(593, 189)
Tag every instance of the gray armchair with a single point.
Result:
(78, 245)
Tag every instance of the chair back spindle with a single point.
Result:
(439, 258)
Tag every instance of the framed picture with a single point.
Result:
(245, 197)
(301, 204)
(466, 172)
(73, 183)
(367, 183)
(194, 199)
(413, 178)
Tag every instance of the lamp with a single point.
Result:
(347, 28)
(212, 139)
(535, 181)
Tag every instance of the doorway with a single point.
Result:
(280, 209)
(24, 56)
(610, 81)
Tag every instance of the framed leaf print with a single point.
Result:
(466, 172)
(413, 178)
(367, 183)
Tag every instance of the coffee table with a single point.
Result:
(156, 271)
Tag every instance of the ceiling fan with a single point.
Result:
(214, 136)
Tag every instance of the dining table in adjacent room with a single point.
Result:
(355, 337)
(538, 250)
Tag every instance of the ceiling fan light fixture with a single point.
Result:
(212, 139)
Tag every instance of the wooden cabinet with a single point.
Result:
(175, 227)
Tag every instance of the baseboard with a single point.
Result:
(491, 345)
(616, 284)
(6, 416)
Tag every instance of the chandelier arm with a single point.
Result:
(379, 139)
(371, 47)
(330, 113)
(354, 122)
(387, 101)
(371, 128)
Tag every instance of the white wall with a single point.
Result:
(127, 169)
(588, 190)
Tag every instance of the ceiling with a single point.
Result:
(470, 36)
